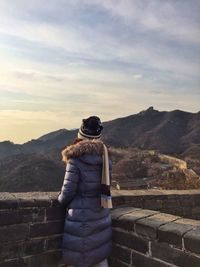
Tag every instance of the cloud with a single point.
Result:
(178, 19)
(77, 57)
(137, 76)
(144, 35)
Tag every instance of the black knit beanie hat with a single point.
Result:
(90, 128)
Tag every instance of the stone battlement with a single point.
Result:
(145, 238)
(31, 226)
(184, 203)
(181, 164)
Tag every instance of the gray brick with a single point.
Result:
(45, 229)
(50, 259)
(148, 226)
(117, 263)
(141, 260)
(17, 216)
(173, 232)
(196, 210)
(130, 240)
(196, 199)
(186, 201)
(121, 253)
(55, 213)
(54, 242)
(118, 212)
(127, 221)
(12, 263)
(153, 204)
(175, 256)
(33, 246)
(33, 199)
(10, 250)
(7, 201)
(130, 200)
(14, 232)
(190, 222)
(192, 241)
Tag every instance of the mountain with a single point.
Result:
(48, 142)
(168, 132)
(8, 148)
(132, 169)
(173, 132)
(53, 135)
(36, 165)
(33, 172)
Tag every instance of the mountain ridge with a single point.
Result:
(36, 165)
(172, 132)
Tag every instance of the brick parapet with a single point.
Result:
(184, 203)
(144, 238)
(31, 227)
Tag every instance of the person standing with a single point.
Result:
(87, 238)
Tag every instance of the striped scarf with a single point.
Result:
(106, 199)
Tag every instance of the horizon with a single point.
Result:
(66, 60)
(75, 128)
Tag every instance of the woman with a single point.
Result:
(86, 194)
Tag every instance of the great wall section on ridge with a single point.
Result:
(181, 164)
(148, 229)
(166, 160)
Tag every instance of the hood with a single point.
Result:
(91, 159)
(89, 151)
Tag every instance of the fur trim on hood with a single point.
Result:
(83, 147)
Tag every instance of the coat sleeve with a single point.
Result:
(70, 182)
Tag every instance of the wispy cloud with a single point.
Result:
(137, 76)
(73, 58)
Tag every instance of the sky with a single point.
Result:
(61, 61)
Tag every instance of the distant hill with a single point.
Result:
(132, 169)
(31, 172)
(45, 143)
(168, 132)
(173, 132)
(8, 148)
(36, 165)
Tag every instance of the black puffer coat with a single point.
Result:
(87, 231)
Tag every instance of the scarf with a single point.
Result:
(106, 199)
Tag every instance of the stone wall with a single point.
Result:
(146, 238)
(181, 164)
(184, 203)
(31, 227)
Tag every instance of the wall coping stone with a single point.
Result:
(30, 199)
(138, 231)
(157, 238)
(154, 192)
